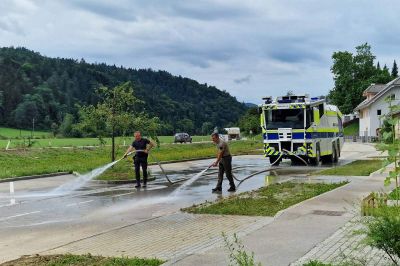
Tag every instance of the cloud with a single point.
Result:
(245, 79)
(275, 45)
(118, 10)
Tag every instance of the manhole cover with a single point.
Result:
(328, 213)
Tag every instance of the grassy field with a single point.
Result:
(8, 133)
(266, 201)
(356, 168)
(87, 260)
(41, 161)
(351, 130)
(79, 142)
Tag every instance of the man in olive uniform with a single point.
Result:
(142, 147)
(224, 162)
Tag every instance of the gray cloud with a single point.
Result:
(245, 79)
(118, 10)
(277, 45)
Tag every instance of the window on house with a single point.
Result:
(391, 97)
(378, 112)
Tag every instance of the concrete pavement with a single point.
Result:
(157, 229)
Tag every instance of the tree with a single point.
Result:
(207, 128)
(185, 125)
(342, 70)
(1, 107)
(54, 129)
(62, 83)
(395, 71)
(66, 127)
(111, 114)
(25, 113)
(250, 122)
(352, 75)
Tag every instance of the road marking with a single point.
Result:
(9, 204)
(79, 203)
(18, 215)
(123, 194)
(11, 188)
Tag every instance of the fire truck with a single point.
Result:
(301, 128)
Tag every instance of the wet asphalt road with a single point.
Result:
(34, 219)
(36, 206)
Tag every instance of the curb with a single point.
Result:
(382, 171)
(21, 178)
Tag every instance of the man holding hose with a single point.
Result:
(142, 147)
(224, 162)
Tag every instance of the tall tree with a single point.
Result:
(352, 75)
(395, 71)
(342, 69)
(250, 122)
(115, 112)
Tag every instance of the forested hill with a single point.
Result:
(35, 86)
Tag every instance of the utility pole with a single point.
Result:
(113, 129)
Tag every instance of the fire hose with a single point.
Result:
(272, 164)
(237, 179)
(158, 163)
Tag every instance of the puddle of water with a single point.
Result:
(187, 183)
(110, 193)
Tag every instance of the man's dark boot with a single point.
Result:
(144, 184)
(217, 189)
(137, 185)
(232, 189)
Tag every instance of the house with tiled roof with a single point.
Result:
(375, 106)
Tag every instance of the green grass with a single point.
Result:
(7, 133)
(15, 163)
(87, 260)
(395, 194)
(356, 168)
(78, 142)
(266, 201)
(352, 129)
(316, 263)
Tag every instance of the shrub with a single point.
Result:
(383, 231)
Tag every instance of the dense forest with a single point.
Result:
(46, 89)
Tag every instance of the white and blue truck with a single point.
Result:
(301, 128)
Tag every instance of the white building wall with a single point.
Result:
(381, 104)
(364, 122)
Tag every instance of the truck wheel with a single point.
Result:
(272, 159)
(334, 154)
(315, 161)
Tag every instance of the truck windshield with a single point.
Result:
(284, 118)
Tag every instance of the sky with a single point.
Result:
(251, 48)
